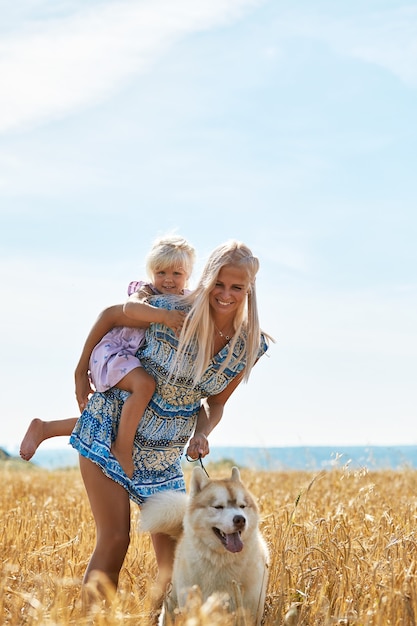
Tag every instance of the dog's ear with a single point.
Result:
(198, 481)
(235, 474)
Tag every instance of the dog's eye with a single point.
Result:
(242, 506)
(219, 507)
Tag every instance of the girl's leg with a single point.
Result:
(164, 547)
(39, 430)
(141, 386)
(110, 506)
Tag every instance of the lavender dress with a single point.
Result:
(169, 419)
(115, 355)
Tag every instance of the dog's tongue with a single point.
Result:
(233, 542)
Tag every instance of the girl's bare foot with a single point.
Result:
(125, 459)
(33, 437)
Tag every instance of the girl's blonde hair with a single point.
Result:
(170, 251)
(199, 330)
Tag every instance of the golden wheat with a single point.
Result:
(342, 542)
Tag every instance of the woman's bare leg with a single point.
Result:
(164, 547)
(39, 430)
(110, 506)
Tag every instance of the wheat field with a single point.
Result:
(342, 543)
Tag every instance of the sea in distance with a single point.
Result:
(276, 459)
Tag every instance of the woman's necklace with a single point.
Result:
(222, 335)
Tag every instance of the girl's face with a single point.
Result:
(170, 280)
(230, 290)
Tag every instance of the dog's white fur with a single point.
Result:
(220, 547)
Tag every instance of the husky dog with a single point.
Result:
(220, 547)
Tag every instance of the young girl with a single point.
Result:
(113, 361)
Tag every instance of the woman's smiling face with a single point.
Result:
(229, 291)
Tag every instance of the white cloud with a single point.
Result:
(56, 66)
(391, 43)
(387, 38)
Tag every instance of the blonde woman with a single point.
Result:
(195, 374)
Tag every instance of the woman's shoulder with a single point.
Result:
(264, 343)
(164, 301)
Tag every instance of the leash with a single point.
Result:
(201, 462)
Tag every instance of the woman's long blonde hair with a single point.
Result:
(199, 330)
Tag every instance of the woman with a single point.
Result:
(195, 375)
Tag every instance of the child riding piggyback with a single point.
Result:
(112, 360)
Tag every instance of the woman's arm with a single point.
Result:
(108, 319)
(210, 414)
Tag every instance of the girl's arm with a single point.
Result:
(108, 319)
(139, 310)
(141, 315)
(210, 414)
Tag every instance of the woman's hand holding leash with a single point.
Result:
(198, 446)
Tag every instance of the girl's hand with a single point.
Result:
(83, 390)
(174, 319)
(198, 446)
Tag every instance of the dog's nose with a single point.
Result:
(239, 521)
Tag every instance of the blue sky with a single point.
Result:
(288, 125)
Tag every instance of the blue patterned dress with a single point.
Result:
(168, 421)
